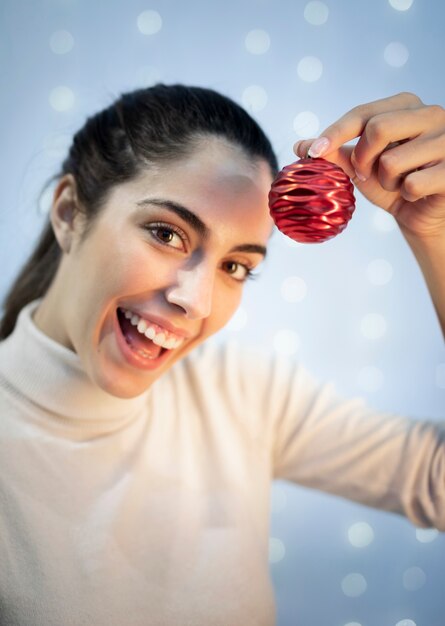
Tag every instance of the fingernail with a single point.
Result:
(360, 176)
(318, 147)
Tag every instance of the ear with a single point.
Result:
(65, 216)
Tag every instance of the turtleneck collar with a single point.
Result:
(51, 377)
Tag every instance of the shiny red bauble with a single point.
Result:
(312, 200)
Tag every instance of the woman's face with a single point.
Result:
(171, 249)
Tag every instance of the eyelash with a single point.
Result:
(156, 226)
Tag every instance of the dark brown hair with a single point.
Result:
(159, 124)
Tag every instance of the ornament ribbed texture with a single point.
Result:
(312, 200)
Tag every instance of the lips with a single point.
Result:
(138, 351)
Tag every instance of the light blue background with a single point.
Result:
(204, 43)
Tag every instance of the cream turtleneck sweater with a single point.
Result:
(155, 510)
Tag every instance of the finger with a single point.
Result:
(423, 183)
(301, 147)
(420, 153)
(352, 124)
(385, 129)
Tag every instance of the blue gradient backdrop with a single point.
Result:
(355, 309)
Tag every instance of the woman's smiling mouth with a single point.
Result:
(143, 343)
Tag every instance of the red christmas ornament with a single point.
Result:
(312, 200)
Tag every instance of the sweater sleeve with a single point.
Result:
(346, 448)
(341, 446)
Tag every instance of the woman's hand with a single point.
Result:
(398, 162)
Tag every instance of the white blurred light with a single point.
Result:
(293, 289)
(396, 54)
(278, 500)
(61, 42)
(310, 69)
(254, 98)
(406, 622)
(306, 124)
(401, 5)
(383, 221)
(353, 585)
(277, 550)
(61, 98)
(316, 13)
(414, 578)
(286, 341)
(353, 624)
(373, 326)
(440, 375)
(257, 41)
(360, 535)
(238, 321)
(370, 378)
(426, 535)
(149, 22)
(379, 272)
(148, 75)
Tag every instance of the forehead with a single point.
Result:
(217, 182)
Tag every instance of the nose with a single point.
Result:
(193, 291)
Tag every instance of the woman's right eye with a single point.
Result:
(167, 235)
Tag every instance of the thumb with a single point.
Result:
(341, 156)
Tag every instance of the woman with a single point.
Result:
(134, 492)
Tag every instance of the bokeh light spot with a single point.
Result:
(426, 535)
(414, 578)
(61, 98)
(277, 550)
(354, 585)
(379, 272)
(406, 622)
(293, 289)
(306, 124)
(373, 326)
(257, 41)
(316, 13)
(383, 221)
(360, 534)
(310, 69)
(401, 5)
(254, 98)
(61, 42)
(396, 54)
(149, 22)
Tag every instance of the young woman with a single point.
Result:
(133, 492)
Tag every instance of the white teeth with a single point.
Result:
(160, 339)
(150, 333)
(142, 326)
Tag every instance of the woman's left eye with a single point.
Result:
(237, 271)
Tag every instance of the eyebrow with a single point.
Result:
(197, 224)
